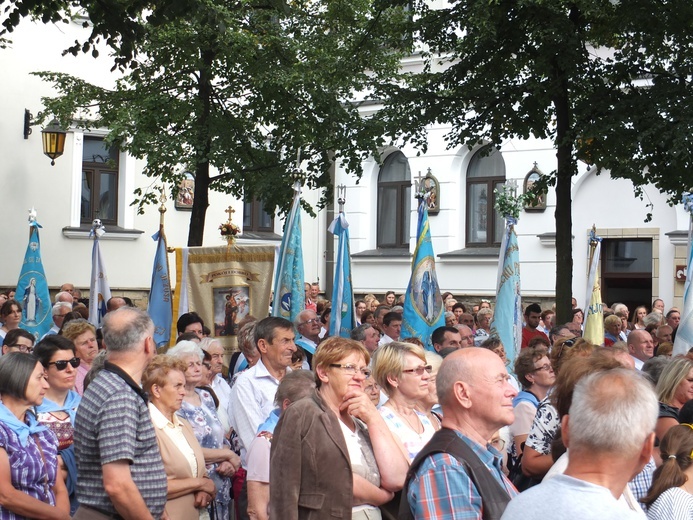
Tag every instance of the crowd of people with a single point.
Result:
(301, 424)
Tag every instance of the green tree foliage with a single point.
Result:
(560, 70)
(235, 91)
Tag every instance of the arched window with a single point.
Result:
(394, 193)
(486, 172)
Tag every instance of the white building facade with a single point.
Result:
(642, 261)
(82, 185)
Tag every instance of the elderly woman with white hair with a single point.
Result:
(199, 410)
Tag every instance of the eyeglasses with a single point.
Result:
(22, 348)
(418, 370)
(352, 369)
(312, 320)
(499, 444)
(546, 367)
(62, 364)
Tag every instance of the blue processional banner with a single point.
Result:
(342, 318)
(289, 289)
(32, 288)
(684, 334)
(423, 305)
(507, 316)
(160, 306)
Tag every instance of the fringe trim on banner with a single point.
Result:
(229, 257)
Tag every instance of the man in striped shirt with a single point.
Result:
(121, 474)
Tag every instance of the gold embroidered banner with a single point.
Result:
(224, 285)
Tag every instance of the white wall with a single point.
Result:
(28, 180)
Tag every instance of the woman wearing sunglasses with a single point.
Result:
(402, 372)
(59, 407)
(332, 454)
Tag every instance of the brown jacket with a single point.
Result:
(310, 469)
(181, 508)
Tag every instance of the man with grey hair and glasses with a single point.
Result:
(609, 432)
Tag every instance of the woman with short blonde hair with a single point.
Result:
(403, 373)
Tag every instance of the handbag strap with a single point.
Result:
(46, 487)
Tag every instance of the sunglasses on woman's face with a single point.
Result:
(62, 364)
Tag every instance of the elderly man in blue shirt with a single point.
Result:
(458, 473)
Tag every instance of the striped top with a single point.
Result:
(28, 472)
(113, 424)
(673, 504)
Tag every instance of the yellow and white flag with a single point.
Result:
(594, 313)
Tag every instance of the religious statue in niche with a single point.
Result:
(539, 204)
(186, 193)
(429, 188)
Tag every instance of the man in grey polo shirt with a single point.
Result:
(121, 474)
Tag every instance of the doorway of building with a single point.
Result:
(627, 271)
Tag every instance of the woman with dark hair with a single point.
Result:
(332, 453)
(18, 340)
(10, 316)
(29, 483)
(390, 298)
(671, 492)
(59, 407)
(368, 317)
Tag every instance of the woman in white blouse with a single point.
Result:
(190, 491)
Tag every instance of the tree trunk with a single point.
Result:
(201, 200)
(564, 222)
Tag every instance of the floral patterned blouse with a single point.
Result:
(210, 434)
(544, 428)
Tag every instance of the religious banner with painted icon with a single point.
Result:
(224, 285)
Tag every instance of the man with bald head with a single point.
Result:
(640, 347)
(458, 473)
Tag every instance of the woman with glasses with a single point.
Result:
(190, 490)
(29, 479)
(83, 335)
(10, 316)
(18, 340)
(333, 456)
(429, 404)
(402, 372)
(59, 407)
(536, 456)
(671, 492)
(198, 408)
(535, 373)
